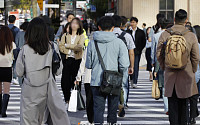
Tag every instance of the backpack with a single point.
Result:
(13, 32)
(121, 36)
(176, 52)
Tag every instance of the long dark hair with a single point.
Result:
(65, 28)
(147, 35)
(80, 29)
(197, 29)
(6, 39)
(157, 26)
(36, 36)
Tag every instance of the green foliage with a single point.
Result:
(101, 8)
(22, 4)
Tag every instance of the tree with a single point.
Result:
(21, 4)
(101, 8)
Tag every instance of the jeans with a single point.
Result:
(125, 87)
(165, 100)
(136, 68)
(99, 107)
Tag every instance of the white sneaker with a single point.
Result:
(15, 82)
(131, 81)
(134, 85)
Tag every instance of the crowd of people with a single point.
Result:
(110, 56)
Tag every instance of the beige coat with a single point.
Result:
(77, 47)
(183, 80)
(39, 89)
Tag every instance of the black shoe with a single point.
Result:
(5, 104)
(121, 112)
(126, 106)
(192, 121)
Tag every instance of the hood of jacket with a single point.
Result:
(104, 37)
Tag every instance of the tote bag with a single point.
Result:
(155, 90)
(73, 100)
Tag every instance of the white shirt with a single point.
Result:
(71, 52)
(133, 33)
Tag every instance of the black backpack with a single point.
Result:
(13, 32)
(121, 36)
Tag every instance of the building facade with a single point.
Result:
(146, 10)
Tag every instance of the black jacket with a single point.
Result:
(140, 40)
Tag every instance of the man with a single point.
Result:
(115, 57)
(70, 17)
(15, 30)
(180, 84)
(144, 28)
(124, 23)
(130, 46)
(139, 39)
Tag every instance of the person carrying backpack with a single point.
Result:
(15, 30)
(128, 41)
(178, 55)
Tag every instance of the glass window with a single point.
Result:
(162, 4)
(167, 8)
(170, 4)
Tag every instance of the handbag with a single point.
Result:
(112, 80)
(73, 100)
(55, 60)
(80, 101)
(16, 53)
(155, 90)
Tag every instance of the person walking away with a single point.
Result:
(14, 30)
(39, 89)
(115, 57)
(86, 80)
(128, 41)
(72, 46)
(158, 72)
(139, 39)
(148, 55)
(144, 28)
(6, 59)
(59, 34)
(179, 78)
(20, 41)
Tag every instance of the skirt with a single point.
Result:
(5, 74)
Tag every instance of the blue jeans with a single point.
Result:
(126, 91)
(136, 69)
(99, 107)
(165, 100)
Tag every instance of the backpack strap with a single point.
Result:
(170, 31)
(123, 34)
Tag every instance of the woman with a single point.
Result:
(72, 46)
(148, 54)
(39, 89)
(6, 59)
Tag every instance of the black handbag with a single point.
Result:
(80, 101)
(16, 53)
(55, 60)
(112, 80)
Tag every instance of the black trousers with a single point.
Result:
(148, 58)
(89, 103)
(193, 100)
(70, 70)
(177, 110)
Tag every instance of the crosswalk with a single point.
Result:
(143, 109)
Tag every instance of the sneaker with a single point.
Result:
(121, 112)
(192, 121)
(131, 81)
(15, 82)
(134, 85)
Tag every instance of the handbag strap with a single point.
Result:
(99, 55)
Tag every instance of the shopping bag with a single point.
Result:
(155, 90)
(80, 101)
(73, 100)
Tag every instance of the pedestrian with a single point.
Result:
(39, 89)
(14, 30)
(85, 73)
(128, 40)
(6, 59)
(179, 82)
(139, 39)
(124, 23)
(148, 54)
(72, 46)
(144, 28)
(115, 57)
(59, 34)
(158, 72)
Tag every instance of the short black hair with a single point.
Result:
(197, 29)
(24, 26)
(134, 18)
(69, 14)
(144, 24)
(106, 23)
(11, 19)
(160, 15)
(36, 36)
(180, 16)
(80, 29)
(118, 20)
(163, 23)
(124, 20)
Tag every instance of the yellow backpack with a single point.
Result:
(176, 52)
